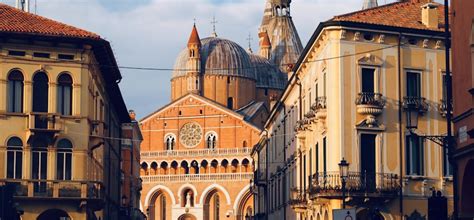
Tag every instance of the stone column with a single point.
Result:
(28, 96)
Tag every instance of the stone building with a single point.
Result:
(463, 97)
(195, 153)
(353, 86)
(61, 113)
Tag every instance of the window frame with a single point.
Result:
(15, 150)
(67, 154)
(411, 161)
(420, 83)
(61, 94)
(12, 87)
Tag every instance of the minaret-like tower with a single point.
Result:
(23, 5)
(265, 45)
(193, 66)
(277, 24)
(369, 4)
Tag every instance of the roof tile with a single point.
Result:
(17, 21)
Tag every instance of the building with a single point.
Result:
(348, 98)
(195, 153)
(61, 113)
(463, 92)
(132, 183)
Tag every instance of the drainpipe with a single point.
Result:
(400, 115)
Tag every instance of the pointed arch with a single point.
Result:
(215, 186)
(154, 190)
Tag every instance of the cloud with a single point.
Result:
(151, 33)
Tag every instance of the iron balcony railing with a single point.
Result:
(56, 189)
(41, 121)
(298, 200)
(320, 103)
(329, 184)
(415, 103)
(370, 99)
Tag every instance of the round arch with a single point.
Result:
(239, 205)
(241, 195)
(53, 214)
(154, 190)
(467, 200)
(212, 187)
(183, 187)
(187, 216)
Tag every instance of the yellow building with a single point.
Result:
(347, 99)
(61, 112)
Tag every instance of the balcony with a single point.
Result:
(370, 103)
(415, 103)
(208, 177)
(319, 107)
(442, 108)
(302, 125)
(196, 153)
(298, 200)
(56, 189)
(44, 122)
(365, 185)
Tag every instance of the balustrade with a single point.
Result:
(196, 153)
(208, 177)
(370, 103)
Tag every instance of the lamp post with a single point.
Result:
(344, 170)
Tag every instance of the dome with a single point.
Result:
(268, 75)
(218, 57)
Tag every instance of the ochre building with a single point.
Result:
(61, 113)
(357, 80)
(195, 153)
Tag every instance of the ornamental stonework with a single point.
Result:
(190, 135)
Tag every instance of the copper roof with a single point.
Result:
(404, 14)
(13, 20)
(194, 37)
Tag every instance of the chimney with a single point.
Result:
(429, 15)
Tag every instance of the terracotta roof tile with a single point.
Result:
(405, 14)
(13, 20)
(194, 37)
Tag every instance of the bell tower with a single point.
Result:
(369, 4)
(193, 65)
(23, 5)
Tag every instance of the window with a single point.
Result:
(41, 55)
(64, 160)
(317, 158)
(40, 92)
(230, 103)
(39, 164)
(447, 168)
(64, 104)
(413, 84)
(368, 77)
(15, 91)
(16, 53)
(14, 158)
(324, 156)
(211, 140)
(216, 207)
(415, 155)
(170, 142)
(65, 57)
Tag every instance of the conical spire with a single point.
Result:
(369, 4)
(194, 38)
(285, 43)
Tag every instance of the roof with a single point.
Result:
(268, 75)
(194, 37)
(218, 57)
(17, 21)
(404, 14)
(250, 110)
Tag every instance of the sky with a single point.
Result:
(151, 33)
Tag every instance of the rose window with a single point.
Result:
(190, 135)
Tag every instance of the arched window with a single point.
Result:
(244, 144)
(64, 160)
(15, 91)
(14, 158)
(64, 104)
(216, 207)
(163, 207)
(39, 164)
(211, 140)
(230, 103)
(40, 92)
(170, 142)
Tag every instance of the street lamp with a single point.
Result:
(344, 172)
(412, 118)
(124, 200)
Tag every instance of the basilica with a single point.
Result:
(195, 153)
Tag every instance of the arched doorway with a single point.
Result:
(467, 198)
(245, 206)
(53, 214)
(187, 217)
(212, 205)
(366, 214)
(160, 206)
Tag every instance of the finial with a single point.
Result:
(214, 22)
(194, 23)
(249, 39)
